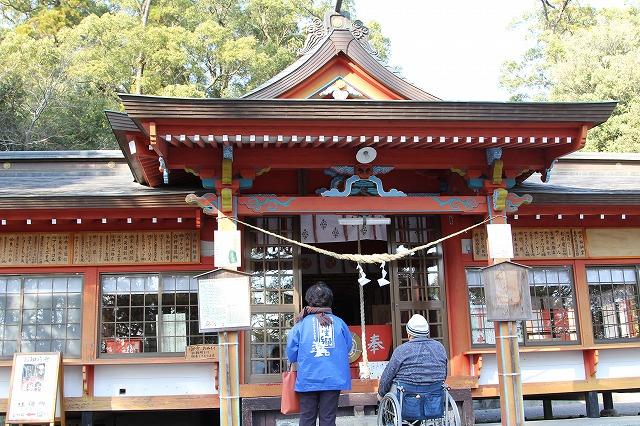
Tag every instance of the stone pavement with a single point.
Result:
(603, 421)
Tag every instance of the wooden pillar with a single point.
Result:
(508, 357)
(87, 418)
(456, 296)
(607, 402)
(591, 401)
(229, 374)
(547, 409)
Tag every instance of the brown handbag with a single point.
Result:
(290, 402)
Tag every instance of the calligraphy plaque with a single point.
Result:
(537, 243)
(136, 247)
(34, 249)
(99, 248)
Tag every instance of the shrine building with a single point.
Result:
(99, 249)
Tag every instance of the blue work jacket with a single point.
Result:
(322, 354)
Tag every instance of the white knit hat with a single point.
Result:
(418, 326)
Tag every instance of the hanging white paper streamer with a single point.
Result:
(362, 280)
(383, 280)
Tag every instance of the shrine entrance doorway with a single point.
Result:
(417, 282)
(342, 278)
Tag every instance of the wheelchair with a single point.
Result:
(422, 405)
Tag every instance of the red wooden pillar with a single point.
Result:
(457, 294)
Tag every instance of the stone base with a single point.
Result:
(609, 412)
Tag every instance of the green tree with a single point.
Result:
(584, 54)
(74, 56)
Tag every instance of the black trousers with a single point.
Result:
(321, 404)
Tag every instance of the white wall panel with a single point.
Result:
(538, 367)
(5, 376)
(72, 381)
(615, 363)
(489, 370)
(152, 380)
(552, 366)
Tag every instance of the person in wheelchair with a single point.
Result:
(416, 372)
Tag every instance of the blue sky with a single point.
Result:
(454, 48)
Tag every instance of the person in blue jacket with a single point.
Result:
(320, 343)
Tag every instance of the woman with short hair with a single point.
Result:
(320, 343)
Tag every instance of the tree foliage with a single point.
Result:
(64, 61)
(584, 54)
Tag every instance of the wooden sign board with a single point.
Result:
(93, 248)
(201, 352)
(223, 301)
(506, 290)
(537, 243)
(36, 389)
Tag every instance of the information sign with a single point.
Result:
(223, 303)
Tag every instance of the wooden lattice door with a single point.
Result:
(418, 280)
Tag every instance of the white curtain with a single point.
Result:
(326, 229)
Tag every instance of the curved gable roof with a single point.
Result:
(339, 41)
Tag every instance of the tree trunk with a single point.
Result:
(146, 6)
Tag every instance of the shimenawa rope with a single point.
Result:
(360, 258)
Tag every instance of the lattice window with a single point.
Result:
(41, 314)
(268, 348)
(553, 304)
(552, 301)
(615, 301)
(273, 295)
(150, 313)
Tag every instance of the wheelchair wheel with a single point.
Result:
(451, 413)
(389, 411)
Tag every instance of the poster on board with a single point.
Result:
(223, 304)
(35, 392)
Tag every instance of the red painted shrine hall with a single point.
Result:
(99, 249)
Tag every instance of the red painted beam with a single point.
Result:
(321, 158)
(257, 205)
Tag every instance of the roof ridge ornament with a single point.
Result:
(361, 33)
(316, 31)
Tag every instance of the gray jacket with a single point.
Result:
(419, 361)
